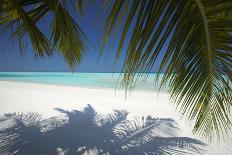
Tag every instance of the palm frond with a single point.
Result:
(193, 39)
(66, 35)
(13, 13)
(80, 5)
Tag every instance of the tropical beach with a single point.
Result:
(45, 100)
(115, 77)
(21, 97)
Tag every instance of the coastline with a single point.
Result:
(86, 87)
(43, 99)
(28, 90)
(85, 80)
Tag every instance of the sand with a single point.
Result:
(43, 99)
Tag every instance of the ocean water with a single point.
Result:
(96, 80)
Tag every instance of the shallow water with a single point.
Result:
(98, 80)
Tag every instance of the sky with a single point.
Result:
(90, 23)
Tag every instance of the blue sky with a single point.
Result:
(11, 60)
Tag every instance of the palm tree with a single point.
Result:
(191, 37)
(82, 132)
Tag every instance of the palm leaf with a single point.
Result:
(66, 36)
(79, 5)
(14, 13)
(196, 63)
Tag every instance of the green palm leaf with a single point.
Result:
(13, 12)
(66, 36)
(197, 62)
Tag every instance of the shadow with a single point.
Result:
(90, 133)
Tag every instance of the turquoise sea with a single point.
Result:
(96, 80)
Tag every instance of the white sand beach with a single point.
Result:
(43, 99)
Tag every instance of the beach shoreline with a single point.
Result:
(116, 89)
(44, 99)
(28, 90)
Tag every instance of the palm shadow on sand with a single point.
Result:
(88, 132)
